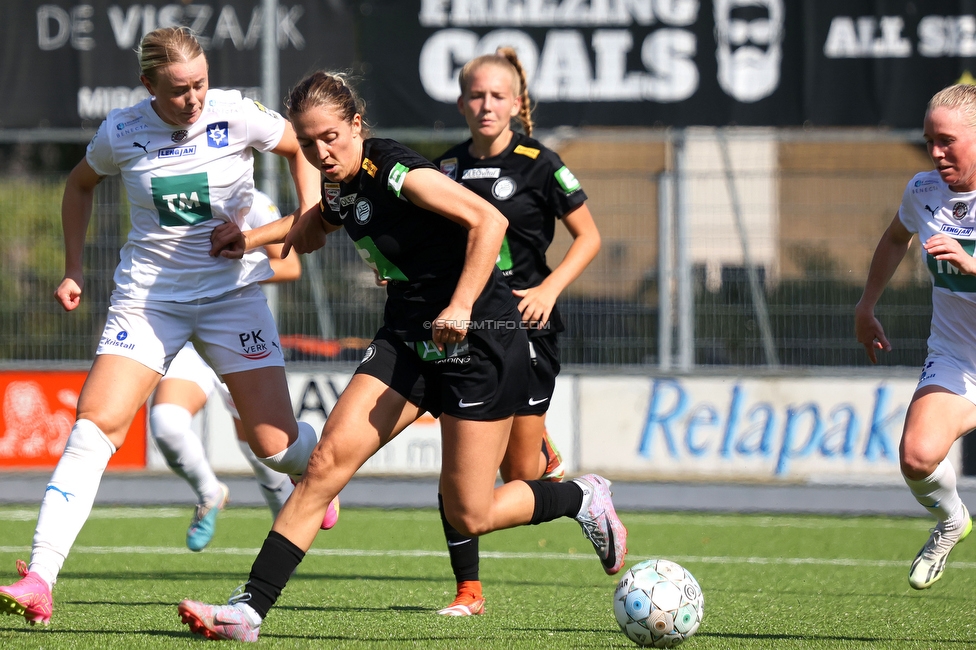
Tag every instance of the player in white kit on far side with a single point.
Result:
(938, 206)
(184, 390)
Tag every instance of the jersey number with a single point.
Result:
(182, 200)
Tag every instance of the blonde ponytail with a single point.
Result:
(525, 112)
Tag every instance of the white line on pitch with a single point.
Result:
(347, 552)
(646, 518)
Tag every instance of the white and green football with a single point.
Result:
(658, 604)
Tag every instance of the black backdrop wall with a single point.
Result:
(64, 63)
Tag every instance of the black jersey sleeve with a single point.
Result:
(393, 161)
(329, 203)
(562, 190)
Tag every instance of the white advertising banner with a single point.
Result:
(744, 428)
(838, 429)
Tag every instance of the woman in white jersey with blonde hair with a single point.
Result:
(185, 156)
(940, 207)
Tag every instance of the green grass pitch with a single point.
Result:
(779, 582)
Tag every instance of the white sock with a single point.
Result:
(293, 460)
(937, 492)
(69, 497)
(275, 486)
(252, 616)
(587, 490)
(172, 430)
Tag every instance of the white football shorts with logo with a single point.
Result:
(236, 330)
(949, 373)
(190, 366)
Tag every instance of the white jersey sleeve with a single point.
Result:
(264, 126)
(906, 211)
(99, 153)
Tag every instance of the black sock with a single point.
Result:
(555, 500)
(274, 564)
(463, 550)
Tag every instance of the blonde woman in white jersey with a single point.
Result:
(940, 207)
(183, 392)
(185, 157)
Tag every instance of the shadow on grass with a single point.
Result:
(823, 638)
(238, 576)
(326, 609)
(59, 632)
(64, 635)
(206, 576)
(291, 608)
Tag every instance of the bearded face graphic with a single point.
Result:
(749, 36)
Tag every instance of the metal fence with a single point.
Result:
(735, 247)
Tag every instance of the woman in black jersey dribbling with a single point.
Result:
(532, 188)
(451, 344)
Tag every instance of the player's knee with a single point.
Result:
(169, 421)
(470, 524)
(521, 469)
(109, 422)
(917, 463)
(87, 438)
(321, 464)
(294, 459)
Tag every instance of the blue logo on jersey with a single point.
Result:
(123, 125)
(178, 152)
(121, 336)
(217, 134)
(956, 231)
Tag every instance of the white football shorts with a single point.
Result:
(235, 331)
(951, 374)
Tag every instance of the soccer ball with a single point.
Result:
(658, 604)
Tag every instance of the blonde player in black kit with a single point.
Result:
(532, 188)
(448, 346)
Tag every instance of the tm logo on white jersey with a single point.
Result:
(182, 200)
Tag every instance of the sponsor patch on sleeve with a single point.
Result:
(449, 168)
(527, 151)
(397, 175)
(566, 180)
(331, 195)
(264, 109)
